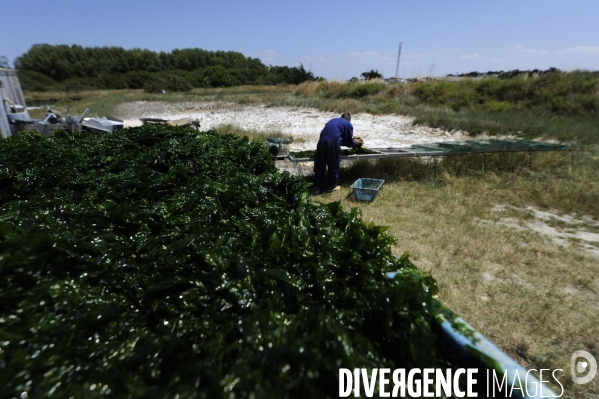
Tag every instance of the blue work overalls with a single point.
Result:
(336, 133)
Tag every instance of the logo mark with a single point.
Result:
(590, 365)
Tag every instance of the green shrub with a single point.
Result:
(140, 79)
(113, 81)
(217, 76)
(497, 106)
(78, 84)
(177, 83)
(154, 87)
(360, 90)
(435, 93)
(35, 81)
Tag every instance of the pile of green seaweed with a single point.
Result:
(162, 262)
(352, 151)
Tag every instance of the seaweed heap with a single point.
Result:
(158, 261)
(352, 151)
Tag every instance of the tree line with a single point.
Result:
(46, 66)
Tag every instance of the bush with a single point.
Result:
(35, 81)
(177, 83)
(141, 79)
(217, 76)
(497, 106)
(113, 81)
(154, 87)
(435, 93)
(78, 84)
(360, 90)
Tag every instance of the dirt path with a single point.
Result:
(304, 124)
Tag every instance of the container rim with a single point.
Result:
(379, 181)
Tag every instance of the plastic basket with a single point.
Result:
(367, 189)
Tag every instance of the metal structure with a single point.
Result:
(397, 68)
(14, 116)
(297, 163)
(185, 122)
(278, 147)
(13, 102)
(485, 146)
(4, 63)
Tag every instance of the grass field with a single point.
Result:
(481, 235)
(252, 135)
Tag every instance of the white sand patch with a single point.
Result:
(569, 290)
(575, 231)
(301, 123)
(490, 276)
(132, 123)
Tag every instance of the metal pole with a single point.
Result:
(4, 125)
(435, 166)
(530, 153)
(398, 55)
(484, 162)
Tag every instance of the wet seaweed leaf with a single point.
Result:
(159, 261)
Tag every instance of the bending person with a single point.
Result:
(336, 133)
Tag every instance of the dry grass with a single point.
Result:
(103, 102)
(252, 135)
(100, 102)
(37, 97)
(372, 96)
(537, 300)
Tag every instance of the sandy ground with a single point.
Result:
(563, 230)
(304, 124)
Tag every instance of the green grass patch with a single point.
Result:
(478, 235)
(252, 135)
(549, 181)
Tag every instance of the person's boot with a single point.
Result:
(332, 190)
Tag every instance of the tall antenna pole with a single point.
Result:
(397, 68)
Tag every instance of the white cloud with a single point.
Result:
(580, 50)
(414, 55)
(316, 59)
(348, 57)
(519, 49)
(364, 54)
(344, 66)
(470, 56)
(267, 56)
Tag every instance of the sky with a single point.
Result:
(333, 39)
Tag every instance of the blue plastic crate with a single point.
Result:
(367, 189)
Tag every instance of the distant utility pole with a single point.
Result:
(398, 55)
